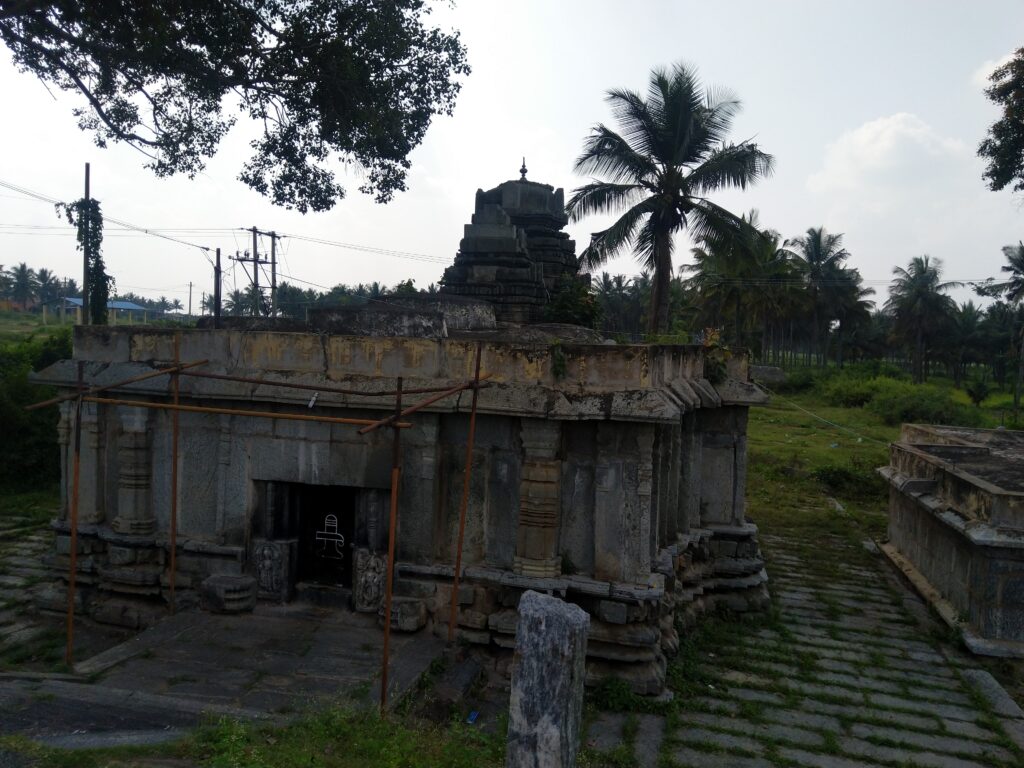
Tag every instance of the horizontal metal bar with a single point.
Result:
(236, 412)
(309, 387)
(390, 420)
(115, 385)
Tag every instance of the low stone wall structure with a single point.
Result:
(956, 528)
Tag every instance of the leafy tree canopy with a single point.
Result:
(355, 80)
(1003, 147)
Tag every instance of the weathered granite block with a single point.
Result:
(407, 614)
(229, 594)
(548, 672)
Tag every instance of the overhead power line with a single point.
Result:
(370, 249)
(106, 217)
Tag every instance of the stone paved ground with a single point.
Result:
(850, 672)
(22, 546)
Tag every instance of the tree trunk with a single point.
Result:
(839, 346)
(814, 333)
(660, 285)
(1020, 376)
(737, 308)
(918, 364)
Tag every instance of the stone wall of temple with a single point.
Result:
(956, 528)
(613, 478)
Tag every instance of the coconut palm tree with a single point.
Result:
(24, 284)
(1014, 290)
(5, 283)
(965, 340)
(669, 155)
(236, 303)
(48, 285)
(918, 303)
(819, 256)
(850, 305)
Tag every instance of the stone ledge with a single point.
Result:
(976, 531)
(977, 644)
(653, 591)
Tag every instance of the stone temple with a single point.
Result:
(610, 475)
(956, 528)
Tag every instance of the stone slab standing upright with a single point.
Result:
(546, 703)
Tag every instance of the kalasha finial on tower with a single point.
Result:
(522, 170)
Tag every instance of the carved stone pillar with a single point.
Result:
(92, 481)
(639, 524)
(622, 502)
(134, 481)
(65, 426)
(539, 500)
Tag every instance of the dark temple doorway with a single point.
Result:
(325, 517)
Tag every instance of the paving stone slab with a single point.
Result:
(685, 757)
(866, 714)
(812, 760)
(14, 635)
(728, 741)
(650, 732)
(915, 678)
(865, 625)
(891, 658)
(994, 693)
(764, 731)
(864, 594)
(930, 742)
(754, 695)
(908, 648)
(839, 600)
(944, 711)
(861, 748)
(605, 732)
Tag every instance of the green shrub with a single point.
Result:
(854, 480)
(898, 402)
(849, 392)
(977, 390)
(801, 380)
(873, 369)
(28, 452)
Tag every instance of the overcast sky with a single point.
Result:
(873, 111)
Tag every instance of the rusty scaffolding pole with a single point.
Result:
(174, 471)
(464, 502)
(396, 474)
(115, 385)
(69, 653)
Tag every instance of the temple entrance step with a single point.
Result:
(323, 595)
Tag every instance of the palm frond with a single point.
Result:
(606, 243)
(711, 223)
(638, 125)
(735, 165)
(606, 153)
(602, 197)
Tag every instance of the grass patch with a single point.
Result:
(333, 738)
(36, 508)
(45, 652)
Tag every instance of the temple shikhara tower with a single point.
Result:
(513, 253)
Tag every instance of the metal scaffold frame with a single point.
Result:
(395, 422)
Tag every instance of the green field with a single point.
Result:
(15, 326)
(803, 452)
